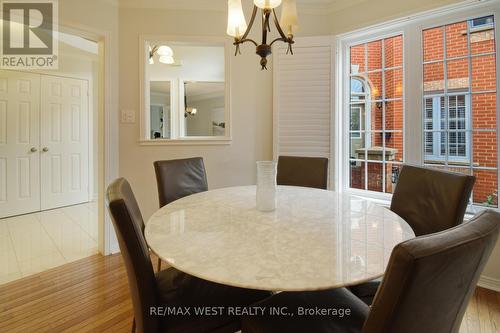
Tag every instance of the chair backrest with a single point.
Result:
(430, 279)
(129, 228)
(179, 178)
(303, 171)
(430, 200)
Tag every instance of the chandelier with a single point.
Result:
(237, 25)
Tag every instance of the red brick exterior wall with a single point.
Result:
(483, 106)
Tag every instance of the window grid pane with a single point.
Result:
(459, 115)
(378, 144)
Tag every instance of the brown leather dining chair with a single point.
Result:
(427, 287)
(179, 178)
(430, 201)
(303, 171)
(169, 287)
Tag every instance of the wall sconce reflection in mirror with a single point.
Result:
(189, 111)
(165, 55)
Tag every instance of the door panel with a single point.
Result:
(64, 142)
(19, 133)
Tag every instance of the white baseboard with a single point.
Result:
(116, 249)
(489, 283)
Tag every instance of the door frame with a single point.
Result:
(107, 114)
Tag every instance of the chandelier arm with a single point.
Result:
(278, 27)
(278, 40)
(241, 41)
(250, 25)
(265, 25)
(249, 40)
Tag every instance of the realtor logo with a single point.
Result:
(29, 34)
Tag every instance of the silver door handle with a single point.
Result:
(33, 150)
(45, 149)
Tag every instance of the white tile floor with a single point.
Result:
(36, 242)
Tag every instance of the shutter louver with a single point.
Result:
(303, 102)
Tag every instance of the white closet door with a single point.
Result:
(19, 143)
(302, 99)
(64, 142)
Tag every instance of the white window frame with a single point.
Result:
(437, 131)
(345, 167)
(411, 27)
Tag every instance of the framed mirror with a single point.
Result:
(184, 90)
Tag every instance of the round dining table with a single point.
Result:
(314, 240)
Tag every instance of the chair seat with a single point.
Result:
(332, 299)
(366, 291)
(178, 289)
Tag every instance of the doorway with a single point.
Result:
(49, 161)
(45, 142)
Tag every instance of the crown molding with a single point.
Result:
(199, 5)
(317, 7)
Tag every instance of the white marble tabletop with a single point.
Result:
(314, 240)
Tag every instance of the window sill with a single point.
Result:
(188, 142)
(383, 199)
(457, 163)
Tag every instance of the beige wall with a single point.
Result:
(251, 94)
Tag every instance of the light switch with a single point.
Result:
(127, 116)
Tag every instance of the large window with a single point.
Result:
(434, 104)
(460, 114)
(376, 113)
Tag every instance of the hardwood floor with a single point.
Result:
(91, 295)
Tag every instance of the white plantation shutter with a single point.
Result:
(302, 99)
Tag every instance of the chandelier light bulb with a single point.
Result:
(236, 23)
(289, 17)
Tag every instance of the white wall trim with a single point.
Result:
(192, 141)
(489, 283)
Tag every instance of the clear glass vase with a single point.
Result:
(266, 186)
